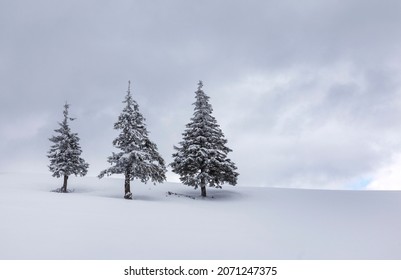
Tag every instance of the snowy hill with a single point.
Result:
(95, 222)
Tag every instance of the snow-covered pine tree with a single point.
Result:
(139, 157)
(201, 158)
(65, 152)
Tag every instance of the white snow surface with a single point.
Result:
(95, 222)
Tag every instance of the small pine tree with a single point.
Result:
(139, 157)
(65, 152)
(201, 158)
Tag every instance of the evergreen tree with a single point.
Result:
(201, 158)
(139, 157)
(65, 152)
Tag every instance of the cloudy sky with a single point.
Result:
(308, 94)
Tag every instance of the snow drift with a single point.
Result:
(95, 222)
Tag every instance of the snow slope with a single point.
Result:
(95, 222)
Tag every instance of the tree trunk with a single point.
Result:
(127, 187)
(64, 187)
(203, 187)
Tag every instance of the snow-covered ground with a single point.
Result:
(95, 222)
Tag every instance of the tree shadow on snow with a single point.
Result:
(145, 197)
(212, 195)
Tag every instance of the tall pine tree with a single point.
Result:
(139, 157)
(65, 152)
(201, 158)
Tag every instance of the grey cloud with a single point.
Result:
(302, 92)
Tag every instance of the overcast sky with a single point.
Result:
(307, 93)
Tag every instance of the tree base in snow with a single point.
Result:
(61, 190)
(128, 196)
